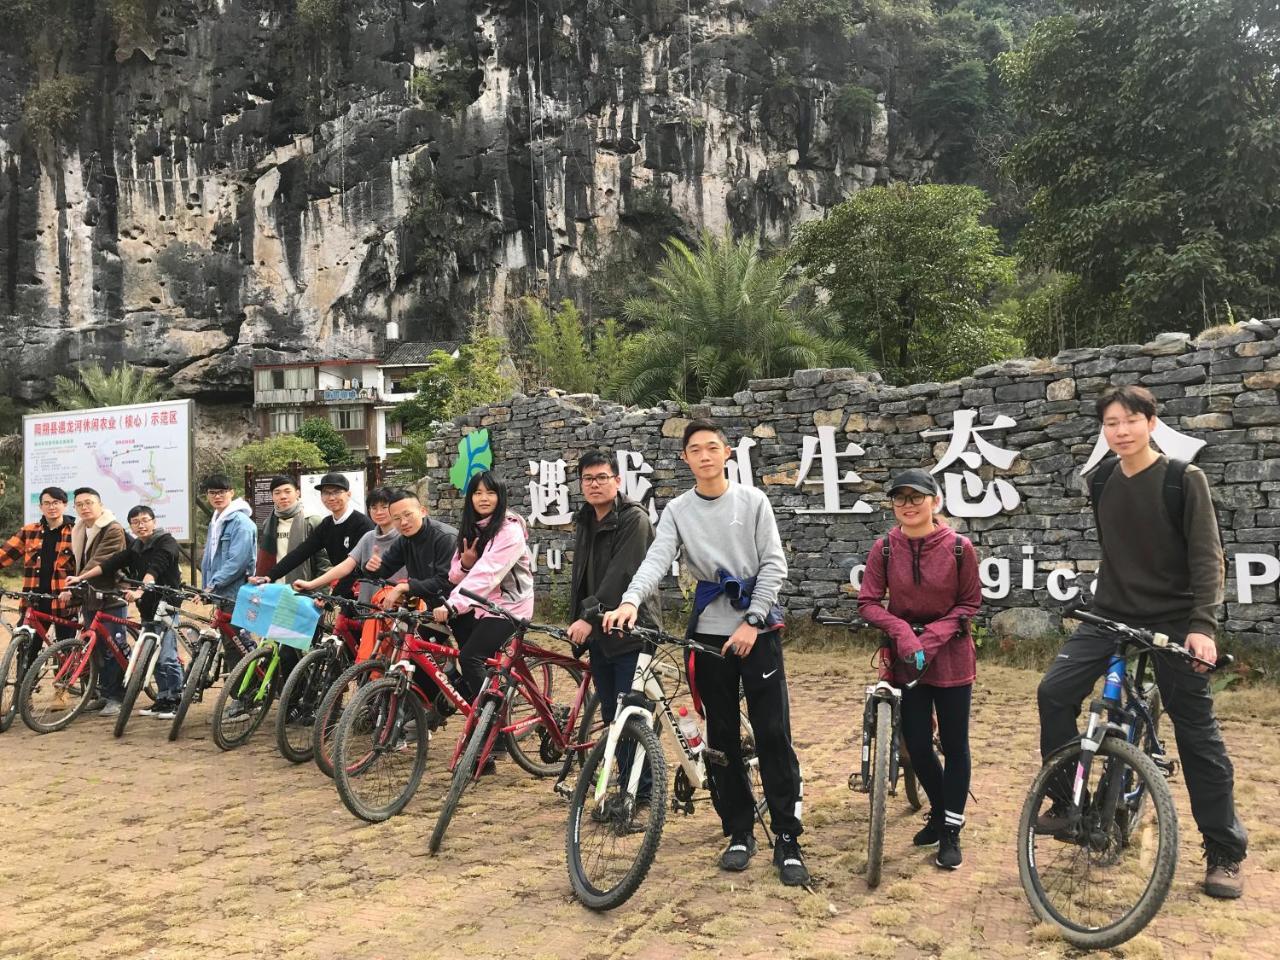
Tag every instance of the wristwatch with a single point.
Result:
(754, 620)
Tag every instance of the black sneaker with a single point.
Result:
(162, 709)
(736, 856)
(949, 848)
(927, 836)
(789, 861)
(1054, 820)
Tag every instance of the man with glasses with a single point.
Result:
(229, 548)
(152, 557)
(425, 550)
(611, 535)
(44, 548)
(96, 536)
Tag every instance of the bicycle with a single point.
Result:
(605, 807)
(146, 652)
(561, 736)
(1103, 877)
(315, 673)
(883, 755)
(26, 640)
(211, 650)
(60, 681)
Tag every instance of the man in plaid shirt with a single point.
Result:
(44, 549)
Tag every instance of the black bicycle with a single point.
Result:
(1102, 877)
(884, 756)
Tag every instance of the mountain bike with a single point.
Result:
(565, 722)
(140, 672)
(1103, 877)
(217, 643)
(246, 696)
(59, 683)
(25, 642)
(884, 755)
(613, 831)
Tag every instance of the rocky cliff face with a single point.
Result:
(242, 181)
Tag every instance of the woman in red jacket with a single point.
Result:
(931, 575)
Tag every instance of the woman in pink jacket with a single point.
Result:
(491, 560)
(931, 575)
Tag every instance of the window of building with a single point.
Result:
(285, 421)
(287, 378)
(347, 418)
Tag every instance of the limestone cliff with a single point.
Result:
(237, 180)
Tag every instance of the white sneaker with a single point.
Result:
(112, 709)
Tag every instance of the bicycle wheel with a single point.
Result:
(340, 693)
(879, 791)
(245, 698)
(199, 678)
(141, 676)
(532, 747)
(52, 695)
(380, 750)
(1150, 742)
(909, 782)
(464, 772)
(1098, 888)
(13, 665)
(610, 846)
(301, 696)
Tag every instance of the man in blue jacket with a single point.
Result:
(231, 547)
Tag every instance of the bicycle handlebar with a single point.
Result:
(1146, 639)
(28, 595)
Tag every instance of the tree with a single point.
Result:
(911, 271)
(1151, 147)
(325, 436)
(721, 315)
(97, 387)
(562, 353)
(274, 455)
(452, 386)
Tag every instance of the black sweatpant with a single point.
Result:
(478, 639)
(1188, 702)
(768, 707)
(947, 787)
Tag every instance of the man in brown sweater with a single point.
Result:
(1165, 576)
(97, 536)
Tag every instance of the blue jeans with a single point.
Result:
(612, 676)
(169, 668)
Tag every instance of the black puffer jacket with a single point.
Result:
(606, 554)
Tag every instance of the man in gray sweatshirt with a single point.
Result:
(730, 543)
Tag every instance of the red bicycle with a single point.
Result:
(561, 736)
(60, 682)
(26, 641)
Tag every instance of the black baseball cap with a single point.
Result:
(917, 480)
(334, 480)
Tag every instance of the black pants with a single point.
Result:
(478, 638)
(947, 787)
(110, 673)
(1188, 702)
(769, 709)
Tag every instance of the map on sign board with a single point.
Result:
(138, 454)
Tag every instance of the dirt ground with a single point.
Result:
(145, 848)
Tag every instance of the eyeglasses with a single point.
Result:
(138, 521)
(81, 504)
(217, 493)
(596, 479)
(902, 499)
(52, 503)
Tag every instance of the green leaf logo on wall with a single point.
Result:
(474, 456)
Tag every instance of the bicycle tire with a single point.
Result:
(142, 668)
(302, 693)
(1150, 738)
(261, 700)
(463, 773)
(1163, 862)
(527, 750)
(879, 792)
(13, 666)
(197, 681)
(589, 893)
(58, 654)
(362, 704)
(329, 714)
(910, 784)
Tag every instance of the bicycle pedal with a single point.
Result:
(562, 790)
(716, 757)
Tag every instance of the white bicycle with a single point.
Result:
(613, 829)
(140, 673)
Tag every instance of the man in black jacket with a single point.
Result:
(425, 549)
(611, 535)
(152, 557)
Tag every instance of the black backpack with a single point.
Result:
(1174, 496)
(958, 547)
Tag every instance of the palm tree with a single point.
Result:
(721, 315)
(97, 387)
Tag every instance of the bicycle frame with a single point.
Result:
(97, 628)
(155, 629)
